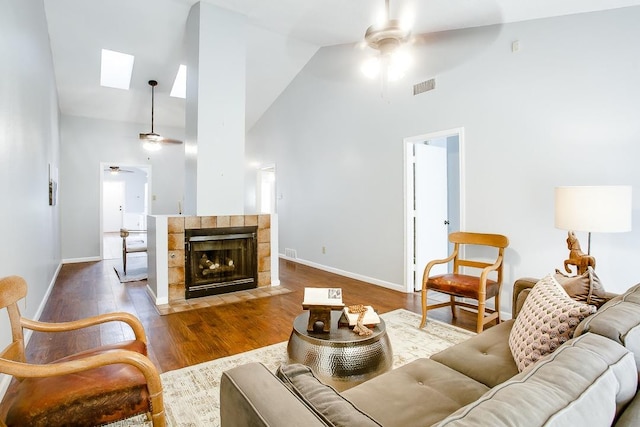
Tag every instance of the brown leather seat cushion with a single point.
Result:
(92, 397)
(461, 285)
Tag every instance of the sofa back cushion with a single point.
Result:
(585, 287)
(587, 381)
(618, 320)
(322, 399)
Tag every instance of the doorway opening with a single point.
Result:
(434, 199)
(266, 189)
(124, 203)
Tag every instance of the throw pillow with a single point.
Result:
(548, 319)
(586, 287)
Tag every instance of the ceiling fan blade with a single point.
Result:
(154, 137)
(170, 141)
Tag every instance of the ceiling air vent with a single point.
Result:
(425, 86)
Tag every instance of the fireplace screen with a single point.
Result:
(220, 260)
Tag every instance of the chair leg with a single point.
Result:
(452, 300)
(480, 324)
(124, 256)
(497, 303)
(423, 321)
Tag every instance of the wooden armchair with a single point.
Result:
(94, 387)
(128, 248)
(455, 284)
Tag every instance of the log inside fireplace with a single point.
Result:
(220, 260)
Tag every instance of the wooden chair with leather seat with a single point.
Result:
(480, 287)
(94, 387)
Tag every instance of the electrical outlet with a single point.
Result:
(324, 250)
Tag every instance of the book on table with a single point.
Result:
(370, 318)
(323, 297)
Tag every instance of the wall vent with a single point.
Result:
(425, 86)
(290, 253)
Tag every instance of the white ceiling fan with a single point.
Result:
(114, 170)
(152, 140)
(389, 39)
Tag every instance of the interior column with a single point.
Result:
(215, 111)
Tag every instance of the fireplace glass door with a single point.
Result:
(220, 260)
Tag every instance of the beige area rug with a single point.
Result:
(191, 394)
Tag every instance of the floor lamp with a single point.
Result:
(594, 209)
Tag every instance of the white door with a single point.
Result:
(431, 216)
(113, 193)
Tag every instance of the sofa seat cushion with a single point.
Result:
(485, 358)
(618, 320)
(548, 319)
(63, 400)
(419, 393)
(587, 381)
(324, 400)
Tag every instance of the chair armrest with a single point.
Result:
(521, 289)
(430, 265)
(127, 318)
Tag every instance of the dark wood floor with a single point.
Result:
(187, 338)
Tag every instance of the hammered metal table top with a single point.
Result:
(340, 357)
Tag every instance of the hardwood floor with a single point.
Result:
(187, 338)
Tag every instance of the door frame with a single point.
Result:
(409, 193)
(104, 165)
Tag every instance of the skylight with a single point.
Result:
(179, 89)
(115, 70)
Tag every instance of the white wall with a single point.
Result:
(85, 143)
(29, 143)
(562, 111)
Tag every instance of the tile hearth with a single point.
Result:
(178, 306)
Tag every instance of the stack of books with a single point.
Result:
(371, 318)
(331, 297)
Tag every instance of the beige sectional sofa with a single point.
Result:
(589, 380)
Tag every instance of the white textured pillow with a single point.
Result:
(548, 318)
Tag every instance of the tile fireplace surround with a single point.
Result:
(166, 246)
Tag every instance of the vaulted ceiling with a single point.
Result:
(282, 36)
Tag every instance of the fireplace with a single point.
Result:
(220, 260)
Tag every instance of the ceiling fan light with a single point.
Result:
(151, 145)
(371, 67)
(401, 60)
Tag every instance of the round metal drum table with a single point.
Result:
(340, 358)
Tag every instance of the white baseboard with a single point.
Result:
(76, 260)
(158, 301)
(373, 281)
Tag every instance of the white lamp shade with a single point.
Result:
(604, 209)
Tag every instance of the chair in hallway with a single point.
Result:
(139, 245)
(94, 387)
(457, 285)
